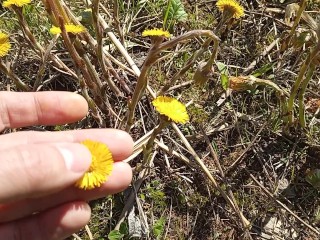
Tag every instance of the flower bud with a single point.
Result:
(202, 74)
(241, 83)
(86, 16)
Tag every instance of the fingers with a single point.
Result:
(24, 109)
(54, 224)
(34, 170)
(119, 142)
(119, 180)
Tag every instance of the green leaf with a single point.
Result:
(263, 69)
(174, 13)
(224, 74)
(142, 196)
(224, 81)
(124, 228)
(115, 235)
(223, 69)
(158, 227)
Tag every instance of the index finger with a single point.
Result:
(19, 109)
(119, 142)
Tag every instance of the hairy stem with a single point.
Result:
(294, 90)
(302, 117)
(148, 149)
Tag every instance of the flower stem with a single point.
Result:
(294, 90)
(287, 42)
(226, 16)
(26, 30)
(302, 117)
(141, 86)
(61, 11)
(148, 148)
(258, 81)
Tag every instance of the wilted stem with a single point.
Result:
(142, 83)
(213, 56)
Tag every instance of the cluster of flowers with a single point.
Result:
(4, 38)
(231, 7)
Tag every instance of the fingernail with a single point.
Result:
(77, 158)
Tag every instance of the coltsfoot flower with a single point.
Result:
(18, 3)
(156, 33)
(100, 168)
(231, 7)
(4, 44)
(171, 108)
(70, 28)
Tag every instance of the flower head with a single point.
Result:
(70, 28)
(100, 168)
(156, 32)
(171, 108)
(18, 3)
(240, 83)
(4, 44)
(232, 7)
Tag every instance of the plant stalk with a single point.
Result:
(289, 118)
(302, 117)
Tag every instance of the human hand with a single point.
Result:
(37, 196)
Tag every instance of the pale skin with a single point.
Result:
(37, 196)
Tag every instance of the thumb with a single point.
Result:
(40, 169)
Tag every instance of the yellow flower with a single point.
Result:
(18, 3)
(172, 108)
(100, 168)
(156, 32)
(232, 7)
(4, 44)
(70, 28)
